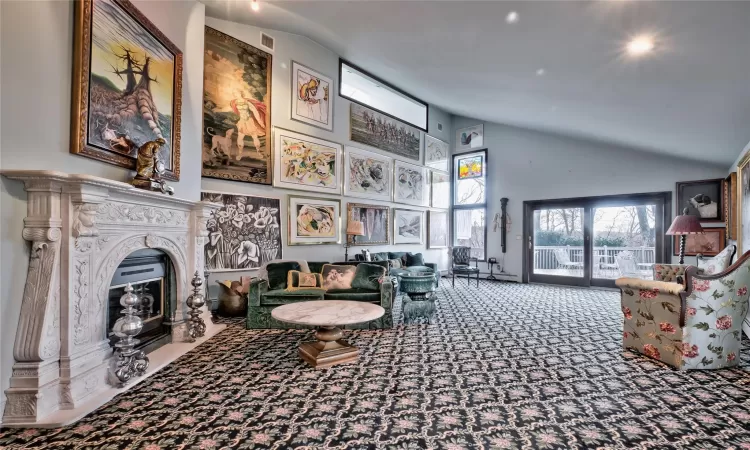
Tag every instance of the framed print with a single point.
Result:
(704, 199)
(236, 110)
(127, 86)
(410, 184)
(730, 205)
(314, 221)
(305, 162)
(368, 175)
(437, 229)
(470, 138)
(440, 189)
(709, 244)
(383, 132)
(244, 234)
(407, 226)
(743, 205)
(311, 101)
(376, 220)
(436, 153)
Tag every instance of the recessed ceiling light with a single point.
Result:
(512, 17)
(255, 6)
(640, 45)
(540, 72)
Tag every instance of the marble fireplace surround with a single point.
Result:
(80, 228)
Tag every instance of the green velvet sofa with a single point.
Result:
(395, 272)
(262, 299)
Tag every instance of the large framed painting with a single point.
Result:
(410, 184)
(436, 153)
(408, 226)
(236, 110)
(311, 101)
(127, 86)
(305, 162)
(730, 205)
(440, 189)
(368, 175)
(437, 229)
(743, 203)
(385, 133)
(376, 220)
(708, 244)
(244, 233)
(704, 198)
(314, 221)
(470, 138)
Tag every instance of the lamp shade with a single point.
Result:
(355, 228)
(685, 224)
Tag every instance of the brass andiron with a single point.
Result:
(150, 169)
(196, 300)
(128, 362)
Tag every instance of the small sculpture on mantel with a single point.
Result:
(150, 169)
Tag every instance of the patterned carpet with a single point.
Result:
(507, 366)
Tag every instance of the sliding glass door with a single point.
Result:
(592, 241)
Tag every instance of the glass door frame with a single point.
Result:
(588, 204)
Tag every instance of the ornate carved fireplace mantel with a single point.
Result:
(80, 228)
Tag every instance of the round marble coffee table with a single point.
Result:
(327, 316)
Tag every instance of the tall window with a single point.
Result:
(470, 202)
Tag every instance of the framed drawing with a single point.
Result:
(437, 229)
(236, 110)
(127, 86)
(470, 138)
(314, 221)
(376, 220)
(311, 101)
(709, 244)
(436, 153)
(743, 205)
(368, 175)
(244, 233)
(407, 226)
(730, 205)
(410, 184)
(305, 162)
(380, 131)
(704, 199)
(440, 189)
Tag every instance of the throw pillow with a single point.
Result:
(337, 276)
(395, 263)
(300, 280)
(277, 274)
(368, 276)
(414, 259)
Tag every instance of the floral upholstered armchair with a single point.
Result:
(693, 326)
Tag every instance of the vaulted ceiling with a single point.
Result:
(689, 97)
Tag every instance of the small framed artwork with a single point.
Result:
(376, 220)
(704, 199)
(730, 205)
(311, 97)
(470, 138)
(709, 244)
(437, 229)
(407, 226)
(410, 184)
(127, 86)
(305, 162)
(314, 221)
(440, 189)
(436, 153)
(368, 175)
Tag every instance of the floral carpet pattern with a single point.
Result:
(506, 366)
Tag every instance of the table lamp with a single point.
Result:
(354, 228)
(682, 226)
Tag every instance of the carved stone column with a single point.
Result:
(34, 386)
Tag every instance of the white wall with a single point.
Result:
(290, 47)
(531, 165)
(36, 39)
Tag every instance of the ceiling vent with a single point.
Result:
(266, 41)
